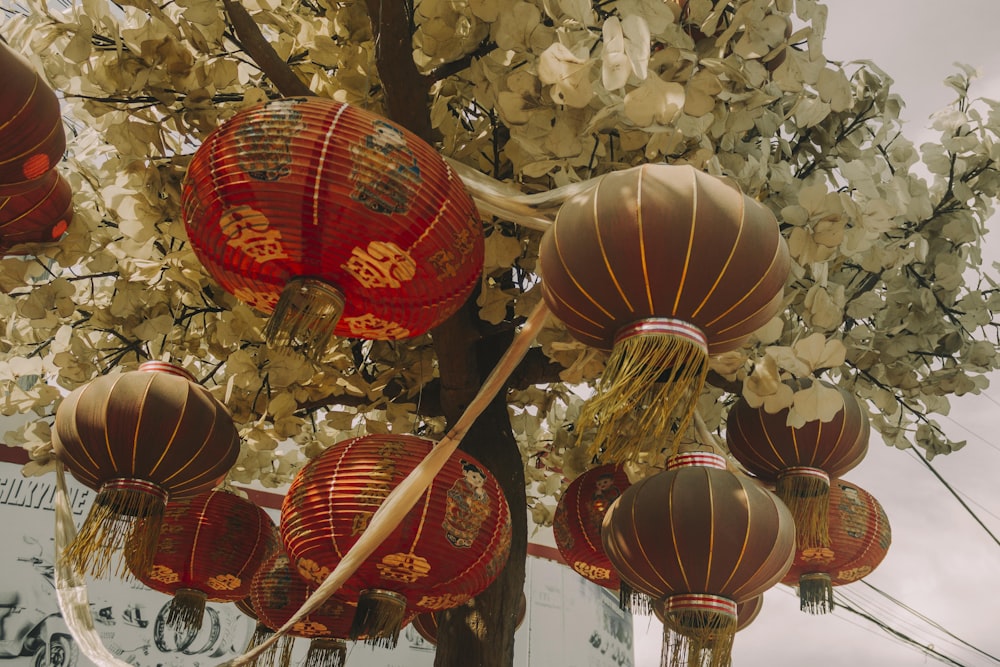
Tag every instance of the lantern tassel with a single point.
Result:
(816, 593)
(633, 601)
(185, 611)
(111, 524)
(806, 492)
(305, 317)
(698, 638)
(648, 391)
(379, 617)
(326, 653)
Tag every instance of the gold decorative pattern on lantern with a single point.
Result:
(224, 582)
(405, 568)
(382, 264)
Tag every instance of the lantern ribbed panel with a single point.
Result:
(663, 241)
(695, 529)
(155, 424)
(447, 549)
(40, 214)
(765, 445)
(32, 139)
(576, 524)
(317, 189)
(213, 543)
(860, 536)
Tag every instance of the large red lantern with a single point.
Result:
(576, 524)
(800, 461)
(446, 550)
(333, 219)
(32, 139)
(859, 539)
(40, 214)
(701, 539)
(139, 438)
(209, 548)
(662, 265)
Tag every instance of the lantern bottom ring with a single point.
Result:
(701, 602)
(130, 485)
(664, 326)
(805, 471)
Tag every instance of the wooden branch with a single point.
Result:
(261, 52)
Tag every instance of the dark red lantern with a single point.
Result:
(859, 539)
(800, 461)
(701, 540)
(32, 139)
(209, 548)
(576, 524)
(446, 550)
(139, 438)
(426, 624)
(333, 219)
(662, 265)
(38, 215)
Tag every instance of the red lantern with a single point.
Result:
(426, 624)
(447, 549)
(32, 139)
(800, 461)
(335, 220)
(139, 438)
(576, 525)
(700, 539)
(662, 265)
(278, 654)
(859, 539)
(278, 591)
(209, 548)
(40, 214)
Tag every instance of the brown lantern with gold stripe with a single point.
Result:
(662, 265)
(859, 539)
(576, 524)
(701, 540)
(139, 438)
(209, 548)
(800, 461)
(32, 139)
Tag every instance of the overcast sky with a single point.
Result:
(941, 563)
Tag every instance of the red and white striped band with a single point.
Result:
(701, 602)
(666, 326)
(137, 485)
(696, 459)
(804, 471)
(165, 367)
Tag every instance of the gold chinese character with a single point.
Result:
(248, 230)
(381, 264)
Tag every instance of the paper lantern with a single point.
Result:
(662, 265)
(576, 524)
(448, 548)
(859, 539)
(333, 219)
(139, 438)
(702, 540)
(426, 624)
(279, 653)
(32, 139)
(800, 461)
(209, 548)
(38, 215)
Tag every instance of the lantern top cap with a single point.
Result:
(166, 367)
(697, 460)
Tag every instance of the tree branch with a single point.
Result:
(260, 50)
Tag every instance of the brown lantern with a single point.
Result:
(209, 548)
(662, 265)
(426, 624)
(859, 539)
(576, 525)
(800, 461)
(448, 548)
(701, 539)
(333, 220)
(32, 139)
(38, 215)
(139, 438)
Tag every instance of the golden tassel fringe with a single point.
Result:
(633, 601)
(698, 638)
(808, 499)
(109, 526)
(816, 593)
(278, 654)
(305, 317)
(326, 653)
(378, 619)
(648, 393)
(185, 611)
